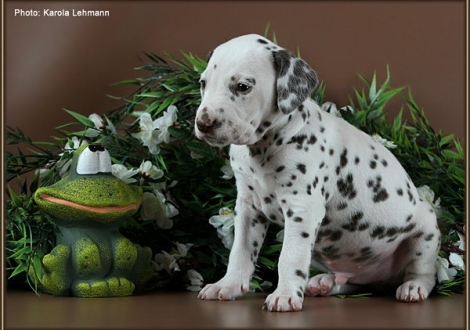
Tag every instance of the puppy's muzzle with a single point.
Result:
(205, 124)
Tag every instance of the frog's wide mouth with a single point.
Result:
(94, 209)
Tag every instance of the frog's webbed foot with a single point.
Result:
(57, 278)
(108, 287)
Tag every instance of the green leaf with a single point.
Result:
(446, 139)
(265, 261)
(21, 268)
(449, 154)
(373, 89)
(359, 295)
(131, 82)
(14, 198)
(273, 248)
(84, 120)
(179, 134)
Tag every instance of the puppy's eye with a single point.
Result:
(243, 88)
(203, 83)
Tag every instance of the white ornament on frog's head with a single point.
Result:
(93, 160)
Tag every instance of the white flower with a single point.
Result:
(161, 190)
(154, 207)
(280, 236)
(196, 280)
(152, 133)
(169, 262)
(331, 108)
(99, 125)
(183, 249)
(123, 173)
(148, 134)
(444, 273)
(457, 260)
(427, 194)
(387, 144)
(148, 170)
(227, 170)
(461, 241)
(164, 122)
(224, 223)
(165, 261)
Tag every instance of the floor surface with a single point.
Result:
(182, 310)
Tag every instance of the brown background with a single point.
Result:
(53, 63)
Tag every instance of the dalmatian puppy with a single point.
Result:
(347, 205)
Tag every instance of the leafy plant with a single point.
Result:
(186, 177)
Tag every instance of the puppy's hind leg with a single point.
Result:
(420, 272)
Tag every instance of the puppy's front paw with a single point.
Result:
(284, 301)
(224, 289)
(412, 291)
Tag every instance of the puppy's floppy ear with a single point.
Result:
(296, 80)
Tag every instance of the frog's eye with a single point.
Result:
(94, 159)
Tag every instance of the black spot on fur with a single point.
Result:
(254, 151)
(331, 252)
(326, 221)
(312, 139)
(378, 232)
(346, 187)
(280, 168)
(364, 255)
(302, 168)
(315, 182)
(343, 160)
(301, 274)
(429, 237)
(408, 228)
(418, 234)
(373, 164)
(335, 235)
(342, 206)
(353, 221)
(309, 189)
(381, 196)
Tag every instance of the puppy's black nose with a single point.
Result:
(205, 124)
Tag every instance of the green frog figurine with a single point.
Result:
(92, 258)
